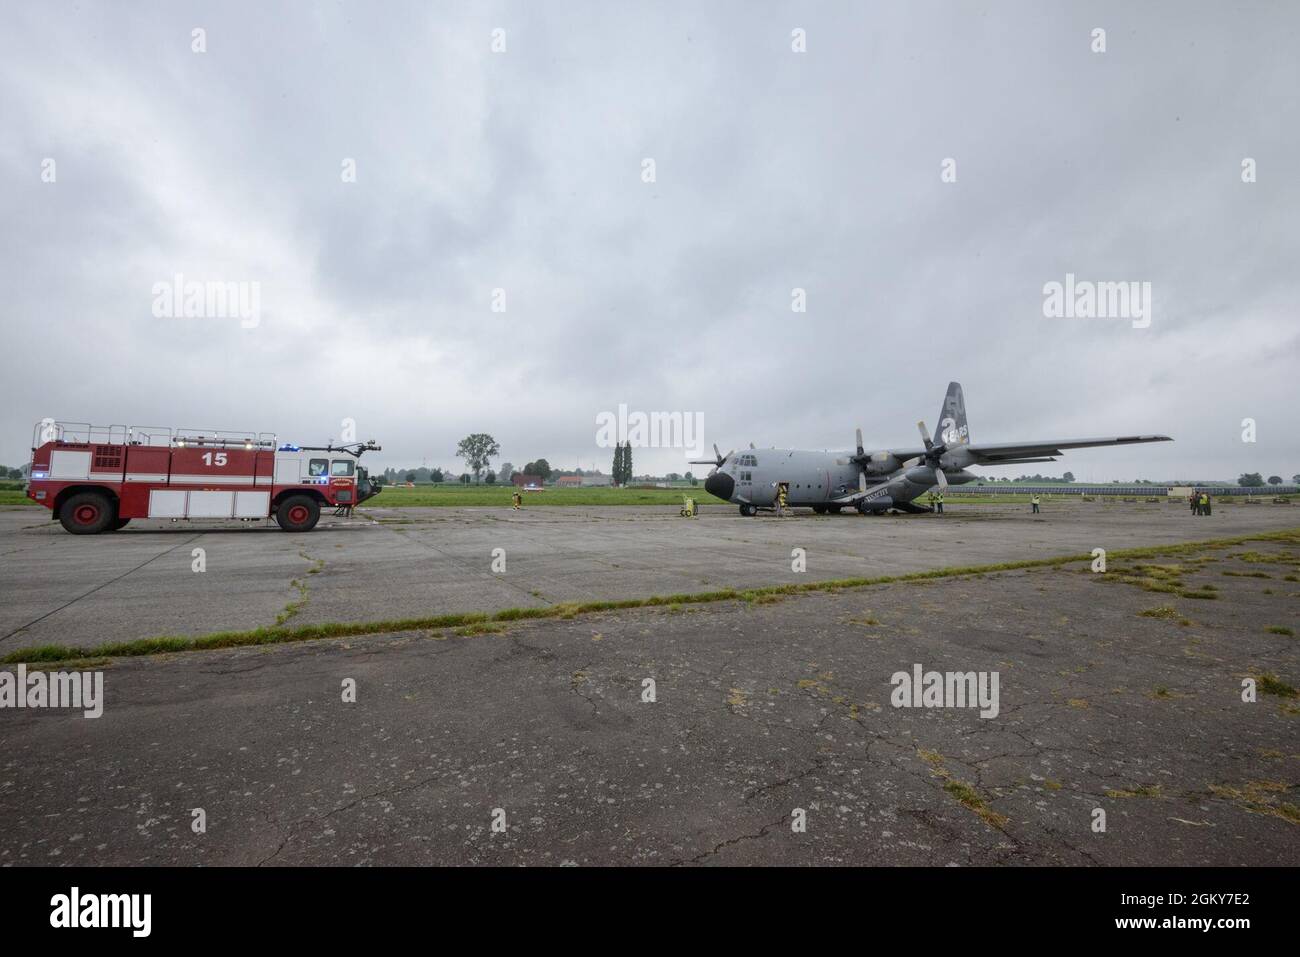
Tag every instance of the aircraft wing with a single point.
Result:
(986, 454)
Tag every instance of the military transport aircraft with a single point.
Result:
(877, 481)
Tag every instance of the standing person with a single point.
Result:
(1205, 504)
(1195, 501)
(516, 500)
(1034, 500)
(939, 501)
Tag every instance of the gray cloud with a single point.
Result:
(775, 170)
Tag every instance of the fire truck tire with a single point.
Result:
(298, 513)
(86, 513)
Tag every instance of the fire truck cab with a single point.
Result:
(97, 478)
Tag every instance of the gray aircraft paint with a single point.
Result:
(881, 479)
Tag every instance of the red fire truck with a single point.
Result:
(97, 478)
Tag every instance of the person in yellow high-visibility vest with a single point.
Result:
(516, 500)
(1034, 501)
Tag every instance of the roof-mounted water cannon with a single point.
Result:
(352, 448)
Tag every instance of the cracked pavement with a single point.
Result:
(760, 709)
(410, 562)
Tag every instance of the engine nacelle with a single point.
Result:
(882, 463)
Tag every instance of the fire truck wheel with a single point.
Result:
(87, 513)
(298, 513)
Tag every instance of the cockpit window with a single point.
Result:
(341, 467)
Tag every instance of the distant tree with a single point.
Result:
(1067, 477)
(1275, 480)
(505, 473)
(476, 450)
(1250, 480)
(490, 478)
(618, 462)
(464, 478)
(410, 476)
(1295, 479)
(437, 475)
(690, 478)
(542, 469)
(673, 477)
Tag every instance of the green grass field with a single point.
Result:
(426, 495)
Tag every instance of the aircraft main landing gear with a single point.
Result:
(748, 510)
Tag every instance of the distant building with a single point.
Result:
(569, 481)
(526, 481)
(597, 479)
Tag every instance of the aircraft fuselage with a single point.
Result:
(815, 480)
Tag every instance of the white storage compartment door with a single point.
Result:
(286, 470)
(67, 464)
(166, 503)
(211, 505)
(252, 504)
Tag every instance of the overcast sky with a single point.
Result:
(522, 170)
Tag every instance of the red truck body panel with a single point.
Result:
(180, 478)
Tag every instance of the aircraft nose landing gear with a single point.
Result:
(748, 510)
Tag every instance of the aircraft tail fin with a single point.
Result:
(952, 429)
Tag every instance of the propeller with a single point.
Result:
(933, 456)
(859, 457)
(717, 460)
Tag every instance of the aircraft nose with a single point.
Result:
(721, 485)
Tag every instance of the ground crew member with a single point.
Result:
(782, 490)
(1034, 502)
(516, 500)
(1196, 501)
(938, 503)
(1205, 504)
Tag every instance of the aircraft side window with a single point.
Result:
(318, 467)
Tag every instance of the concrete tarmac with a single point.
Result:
(415, 562)
(1112, 699)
